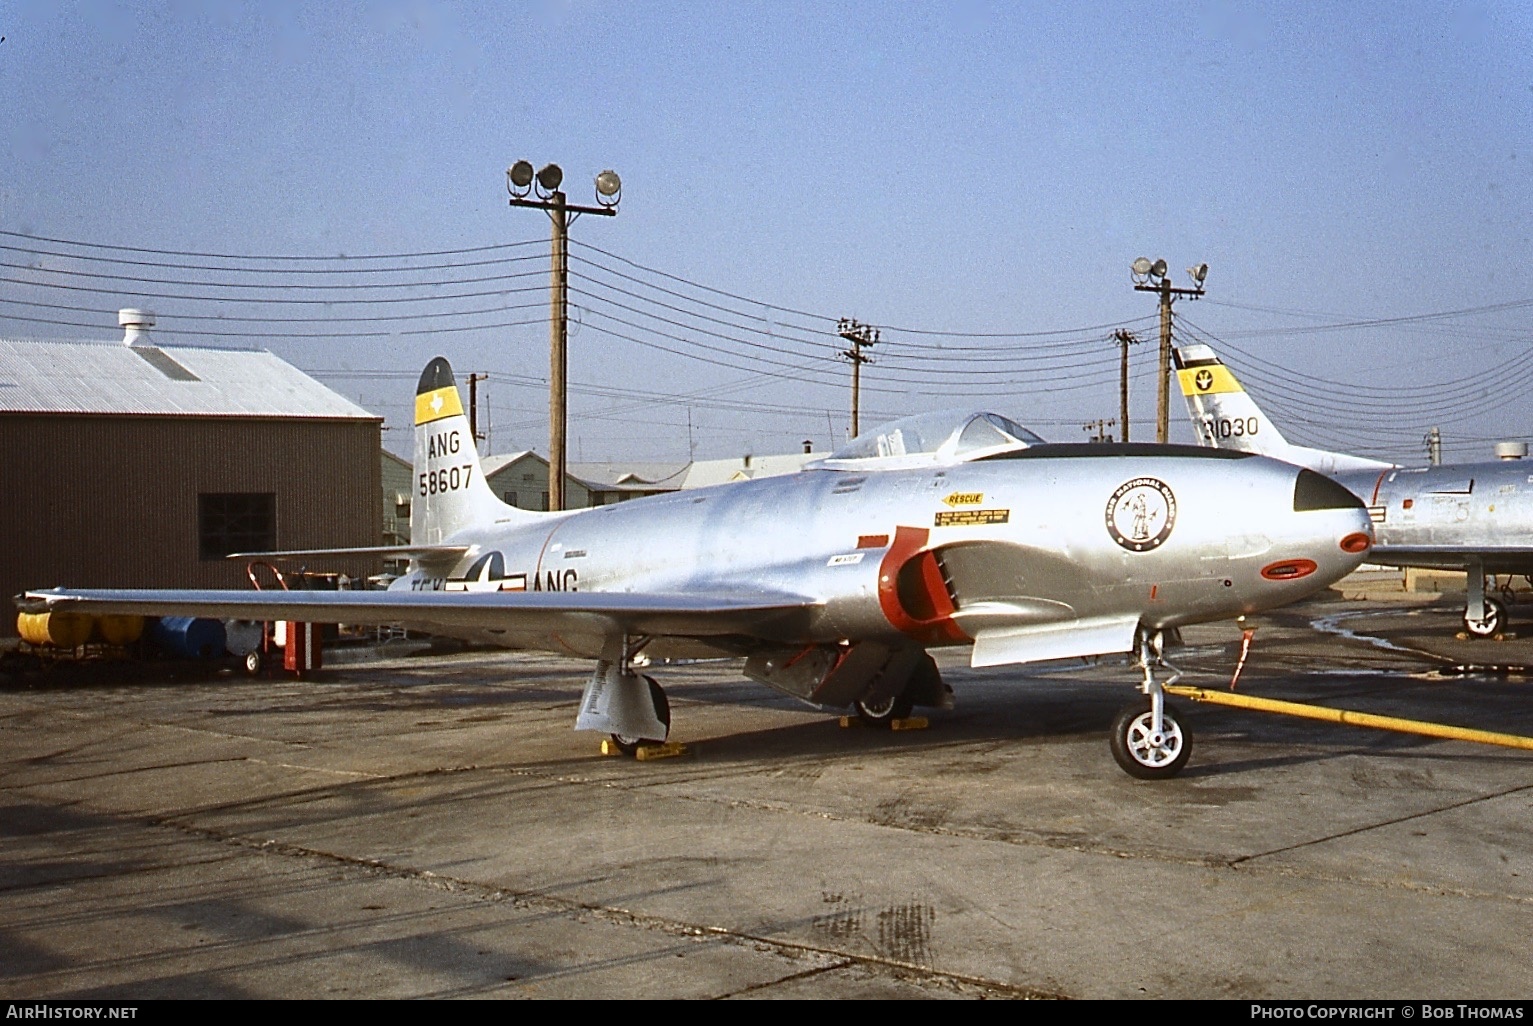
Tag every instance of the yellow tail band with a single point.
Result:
(437, 404)
(1207, 380)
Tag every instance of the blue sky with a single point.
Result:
(968, 168)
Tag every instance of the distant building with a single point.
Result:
(618, 482)
(398, 487)
(131, 465)
(703, 473)
(520, 479)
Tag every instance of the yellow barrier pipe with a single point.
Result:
(1356, 719)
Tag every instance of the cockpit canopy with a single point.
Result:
(930, 439)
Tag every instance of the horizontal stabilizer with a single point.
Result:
(427, 553)
(1099, 635)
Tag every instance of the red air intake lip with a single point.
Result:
(1357, 541)
(1289, 569)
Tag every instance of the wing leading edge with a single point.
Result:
(692, 615)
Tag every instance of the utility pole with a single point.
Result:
(1099, 426)
(1150, 276)
(1124, 338)
(609, 189)
(473, 408)
(860, 336)
(1434, 442)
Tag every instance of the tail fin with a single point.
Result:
(450, 490)
(1224, 416)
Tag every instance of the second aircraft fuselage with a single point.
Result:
(1483, 508)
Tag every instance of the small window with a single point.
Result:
(527, 477)
(236, 522)
(544, 507)
(510, 498)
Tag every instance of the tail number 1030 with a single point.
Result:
(1235, 427)
(448, 479)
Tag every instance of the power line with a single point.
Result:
(254, 256)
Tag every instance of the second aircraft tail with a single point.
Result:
(1224, 416)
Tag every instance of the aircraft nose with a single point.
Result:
(1335, 529)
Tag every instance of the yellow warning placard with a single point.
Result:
(973, 517)
(964, 498)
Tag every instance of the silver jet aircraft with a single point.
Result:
(832, 583)
(1475, 517)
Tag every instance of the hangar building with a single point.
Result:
(131, 465)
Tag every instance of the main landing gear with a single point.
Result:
(881, 713)
(1484, 617)
(1147, 741)
(630, 707)
(662, 708)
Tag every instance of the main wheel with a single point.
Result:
(883, 712)
(630, 745)
(1140, 752)
(1490, 626)
(253, 662)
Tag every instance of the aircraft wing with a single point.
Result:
(1502, 559)
(764, 615)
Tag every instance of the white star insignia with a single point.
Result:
(436, 404)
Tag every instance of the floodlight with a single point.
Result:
(519, 175)
(609, 188)
(1141, 266)
(1198, 272)
(1158, 269)
(550, 177)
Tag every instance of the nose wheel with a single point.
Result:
(1142, 750)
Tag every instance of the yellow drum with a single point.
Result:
(60, 630)
(120, 628)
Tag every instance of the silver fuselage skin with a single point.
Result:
(1016, 541)
(1448, 516)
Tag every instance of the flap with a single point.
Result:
(1099, 635)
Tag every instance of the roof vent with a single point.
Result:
(135, 325)
(1511, 450)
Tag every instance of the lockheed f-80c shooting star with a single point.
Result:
(832, 583)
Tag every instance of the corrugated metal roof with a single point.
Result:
(96, 377)
(647, 476)
(711, 472)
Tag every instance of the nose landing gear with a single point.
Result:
(1147, 741)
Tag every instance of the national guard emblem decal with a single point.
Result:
(1204, 379)
(1141, 513)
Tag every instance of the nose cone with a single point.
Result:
(1325, 536)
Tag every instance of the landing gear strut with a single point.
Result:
(1147, 741)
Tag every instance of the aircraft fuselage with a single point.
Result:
(1452, 515)
(933, 555)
